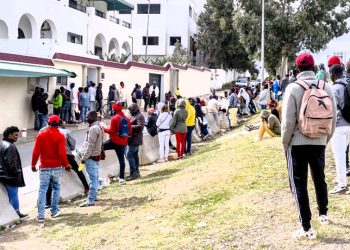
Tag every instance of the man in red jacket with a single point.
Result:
(119, 131)
(50, 146)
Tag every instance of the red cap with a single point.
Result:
(118, 106)
(304, 60)
(54, 120)
(333, 60)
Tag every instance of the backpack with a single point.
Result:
(123, 130)
(138, 94)
(316, 111)
(345, 111)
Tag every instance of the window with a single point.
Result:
(152, 40)
(41, 82)
(62, 80)
(190, 11)
(124, 12)
(174, 39)
(74, 38)
(143, 9)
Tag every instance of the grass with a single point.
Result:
(231, 194)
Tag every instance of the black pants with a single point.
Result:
(99, 106)
(120, 151)
(153, 101)
(146, 99)
(298, 159)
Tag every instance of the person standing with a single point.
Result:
(146, 96)
(284, 84)
(119, 131)
(66, 104)
(57, 102)
(35, 102)
(264, 96)
(138, 95)
(74, 101)
(163, 124)
(43, 111)
(178, 126)
(92, 93)
(11, 172)
(293, 75)
(50, 147)
(213, 109)
(302, 151)
(276, 87)
(91, 156)
(190, 124)
(123, 95)
(135, 140)
(116, 93)
(154, 90)
(99, 97)
(321, 73)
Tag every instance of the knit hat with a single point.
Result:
(304, 60)
(265, 114)
(54, 120)
(118, 106)
(333, 60)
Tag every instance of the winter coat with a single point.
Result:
(113, 129)
(57, 102)
(178, 124)
(191, 116)
(137, 124)
(10, 165)
(145, 91)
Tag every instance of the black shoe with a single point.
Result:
(47, 206)
(23, 216)
(133, 177)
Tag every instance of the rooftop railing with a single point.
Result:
(100, 14)
(77, 6)
(114, 19)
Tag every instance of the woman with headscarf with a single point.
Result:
(244, 100)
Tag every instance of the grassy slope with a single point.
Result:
(232, 194)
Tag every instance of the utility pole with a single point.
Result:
(149, 6)
(263, 44)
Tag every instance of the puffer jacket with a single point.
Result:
(11, 172)
(178, 124)
(137, 121)
(191, 117)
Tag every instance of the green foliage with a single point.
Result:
(180, 54)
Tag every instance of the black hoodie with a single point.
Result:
(137, 121)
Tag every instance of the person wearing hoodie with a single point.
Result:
(270, 124)
(137, 121)
(190, 123)
(178, 126)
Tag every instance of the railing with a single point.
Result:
(100, 14)
(114, 19)
(76, 6)
(126, 24)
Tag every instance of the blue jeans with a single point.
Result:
(263, 106)
(36, 121)
(92, 169)
(42, 121)
(12, 192)
(189, 139)
(49, 176)
(65, 111)
(132, 155)
(84, 111)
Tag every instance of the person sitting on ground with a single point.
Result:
(11, 172)
(151, 122)
(178, 126)
(269, 124)
(163, 124)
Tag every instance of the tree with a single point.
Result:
(291, 26)
(180, 54)
(218, 38)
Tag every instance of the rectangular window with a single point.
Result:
(41, 82)
(143, 9)
(62, 80)
(190, 11)
(74, 38)
(152, 40)
(174, 39)
(124, 12)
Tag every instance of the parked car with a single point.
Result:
(242, 82)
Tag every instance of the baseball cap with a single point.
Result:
(333, 60)
(304, 60)
(54, 120)
(118, 106)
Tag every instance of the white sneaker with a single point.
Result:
(339, 190)
(323, 219)
(121, 181)
(166, 159)
(310, 234)
(58, 213)
(161, 160)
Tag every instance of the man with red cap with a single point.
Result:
(302, 151)
(50, 147)
(119, 130)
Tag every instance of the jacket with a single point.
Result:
(43, 108)
(290, 113)
(57, 102)
(84, 100)
(145, 91)
(191, 115)
(338, 92)
(50, 146)
(151, 125)
(35, 101)
(113, 129)
(99, 94)
(178, 124)
(93, 142)
(137, 123)
(11, 172)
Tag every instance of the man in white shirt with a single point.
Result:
(92, 93)
(123, 94)
(73, 100)
(154, 91)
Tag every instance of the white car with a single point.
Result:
(242, 82)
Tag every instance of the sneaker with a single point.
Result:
(47, 206)
(310, 234)
(323, 219)
(161, 161)
(40, 220)
(22, 216)
(166, 159)
(86, 204)
(57, 214)
(121, 181)
(339, 190)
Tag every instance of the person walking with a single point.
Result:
(302, 150)
(91, 156)
(119, 130)
(57, 102)
(92, 93)
(74, 101)
(163, 124)
(146, 96)
(84, 103)
(178, 126)
(190, 124)
(35, 102)
(99, 98)
(50, 147)
(11, 172)
(135, 140)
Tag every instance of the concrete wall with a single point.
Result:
(194, 83)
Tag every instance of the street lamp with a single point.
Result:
(149, 6)
(263, 43)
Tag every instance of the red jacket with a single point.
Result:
(114, 128)
(50, 146)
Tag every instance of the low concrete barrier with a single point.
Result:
(149, 151)
(7, 214)
(224, 123)
(195, 136)
(212, 124)
(71, 186)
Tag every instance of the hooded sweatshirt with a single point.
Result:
(179, 120)
(191, 117)
(338, 92)
(137, 121)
